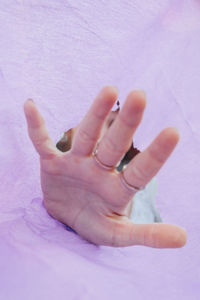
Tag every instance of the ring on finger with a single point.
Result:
(128, 185)
(98, 162)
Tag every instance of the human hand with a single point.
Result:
(94, 201)
(65, 142)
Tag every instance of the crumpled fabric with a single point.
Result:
(144, 207)
(61, 53)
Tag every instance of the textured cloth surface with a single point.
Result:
(61, 53)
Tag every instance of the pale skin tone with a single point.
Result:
(91, 200)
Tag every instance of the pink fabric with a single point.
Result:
(61, 54)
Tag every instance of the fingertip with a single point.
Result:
(30, 100)
(176, 132)
(172, 134)
(138, 93)
(110, 90)
(27, 103)
(139, 97)
(136, 101)
(176, 237)
(162, 235)
(182, 239)
(173, 130)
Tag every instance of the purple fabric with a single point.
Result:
(61, 53)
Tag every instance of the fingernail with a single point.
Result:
(115, 88)
(141, 92)
(31, 100)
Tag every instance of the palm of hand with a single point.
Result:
(89, 199)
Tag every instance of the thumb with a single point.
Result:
(153, 235)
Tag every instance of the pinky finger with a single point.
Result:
(37, 131)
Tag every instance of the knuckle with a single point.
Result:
(128, 122)
(150, 236)
(119, 237)
(156, 155)
(111, 146)
(85, 136)
(41, 140)
(139, 173)
(99, 115)
(38, 136)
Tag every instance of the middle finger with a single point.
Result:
(118, 138)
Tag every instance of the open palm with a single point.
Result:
(92, 200)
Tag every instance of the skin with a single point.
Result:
(65, 144)
(94, 201)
